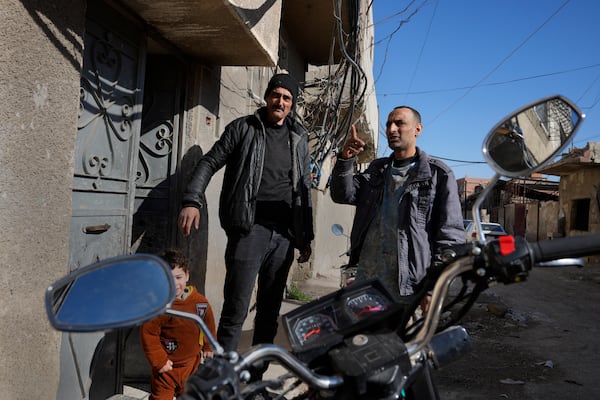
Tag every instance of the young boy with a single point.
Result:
(175, 346)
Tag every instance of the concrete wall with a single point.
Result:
(261, 26)
(582, 185)
(328, 248)
(542, 220)
(39, 100)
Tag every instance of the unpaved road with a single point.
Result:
(546, 346)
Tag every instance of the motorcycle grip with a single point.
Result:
(572, 246)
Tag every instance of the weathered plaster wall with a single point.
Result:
(39, 99)
(584, 184)
(542, 220)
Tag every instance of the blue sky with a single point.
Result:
(466, 64)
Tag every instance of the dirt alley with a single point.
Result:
(546, 345)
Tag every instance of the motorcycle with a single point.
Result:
(357, 342)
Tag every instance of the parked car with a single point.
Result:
(466, 222)
(490, 229)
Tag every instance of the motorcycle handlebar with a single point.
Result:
(572, 246)
(274, 352)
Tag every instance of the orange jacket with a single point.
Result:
(180, 340)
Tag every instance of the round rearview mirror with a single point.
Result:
(531, 136)
(337, 229)
(113, 293)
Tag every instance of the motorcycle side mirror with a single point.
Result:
(113, 293)
(338, 230)
(525, 141)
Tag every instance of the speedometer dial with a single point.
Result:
(313, 327)
(365, 304)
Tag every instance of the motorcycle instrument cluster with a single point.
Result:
(328, 320)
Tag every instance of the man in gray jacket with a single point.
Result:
(407, 207)
(265, 208)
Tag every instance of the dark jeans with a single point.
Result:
(268, 254)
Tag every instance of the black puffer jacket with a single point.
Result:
(241, 150)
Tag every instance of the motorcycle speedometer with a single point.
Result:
(366, 303)
(313, 327)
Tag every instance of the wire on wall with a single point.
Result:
(330, 103)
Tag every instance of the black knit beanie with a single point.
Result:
(285, 81)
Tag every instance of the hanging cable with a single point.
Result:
(329, 115)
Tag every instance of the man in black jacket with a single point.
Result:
(265, 208)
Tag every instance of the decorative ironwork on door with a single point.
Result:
(107, 142)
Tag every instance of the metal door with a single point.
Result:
(105, 166)
(155, 203)
(107, 141)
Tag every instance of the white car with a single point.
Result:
(490, 229)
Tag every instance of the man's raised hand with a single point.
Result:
(353, 146)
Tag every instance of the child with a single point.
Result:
(175, 346)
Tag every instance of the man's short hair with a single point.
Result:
(415, 112)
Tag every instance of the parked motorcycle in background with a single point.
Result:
(355, 343)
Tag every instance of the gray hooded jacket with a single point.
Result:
(430, 216)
